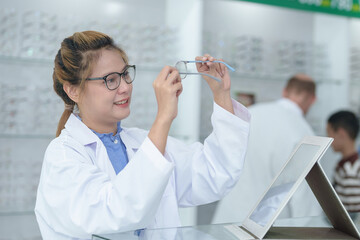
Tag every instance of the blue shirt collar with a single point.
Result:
(109, 135)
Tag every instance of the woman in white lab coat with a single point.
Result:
(98, 177)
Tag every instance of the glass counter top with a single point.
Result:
(208, 232)
(202, 232)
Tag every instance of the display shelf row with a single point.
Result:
(16, 213)
(238, 75)
(27, 136)
(46, 62)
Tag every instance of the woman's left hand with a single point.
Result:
(221, 90)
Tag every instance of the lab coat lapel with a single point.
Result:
(80, 132)
(130, 143)
(103, 161)
(92, 144)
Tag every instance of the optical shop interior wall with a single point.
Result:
(265, 44)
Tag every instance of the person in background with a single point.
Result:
(343, 126)
(276, 128)
(100, 177)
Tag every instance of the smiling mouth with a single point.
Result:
(121, 102)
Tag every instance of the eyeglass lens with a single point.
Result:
(113, 80)
(182, 68)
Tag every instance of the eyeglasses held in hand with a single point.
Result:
(181, 66)
(112, 80)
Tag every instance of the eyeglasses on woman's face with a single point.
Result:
(113, 80)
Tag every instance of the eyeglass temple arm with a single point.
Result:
(227, 65)
(98, 78)
(215, 78)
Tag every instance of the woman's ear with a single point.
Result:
(72, 91)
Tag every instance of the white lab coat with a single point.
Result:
(79, 193)
(276, 128)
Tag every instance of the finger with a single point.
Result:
(218, 67)
(226, 71)
(219, 70)
(161, 80)
(199, 58)
(210, 60)
(173, 77)
(227, 81)
(207, 55)
(200, 64)
(164, 73)
(179, 88)
(222, 67)
(175, 89)
(171, 74)
(213, 66)
(173, 69)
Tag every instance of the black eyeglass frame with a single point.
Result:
(120, 75)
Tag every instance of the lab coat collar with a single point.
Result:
(80, 131)
(85, 136)
(128, 140)
(291, 106)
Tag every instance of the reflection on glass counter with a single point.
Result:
(24, 227)
(219, 231)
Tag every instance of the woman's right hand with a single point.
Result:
(167, 87)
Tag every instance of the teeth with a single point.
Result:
(121, 102)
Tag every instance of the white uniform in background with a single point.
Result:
(79, 193)
(276, 128)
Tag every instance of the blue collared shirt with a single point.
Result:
(115, 148)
